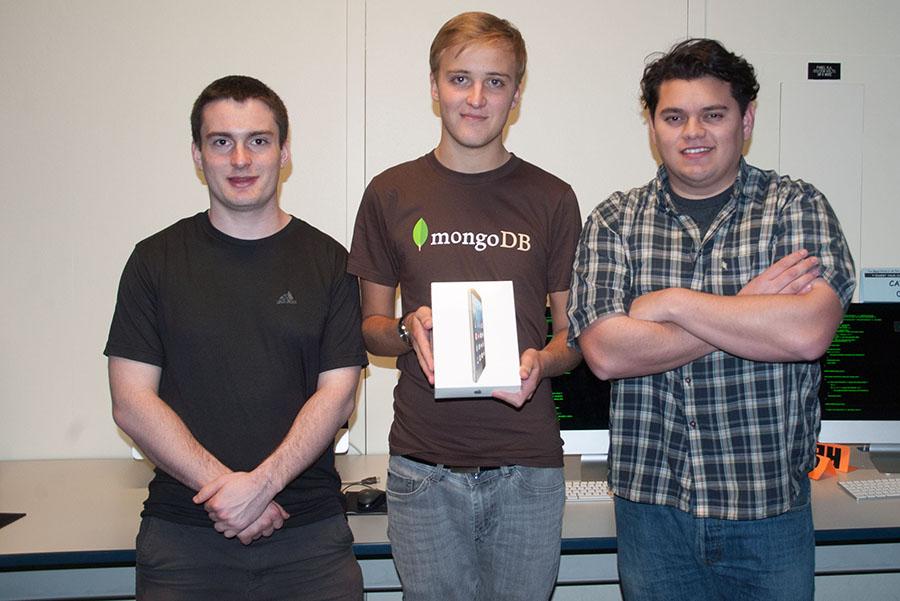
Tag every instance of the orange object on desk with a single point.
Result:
(824, 467)
(838, 453)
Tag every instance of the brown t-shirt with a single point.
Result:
(419, 223)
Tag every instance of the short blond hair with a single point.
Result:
(481, 28)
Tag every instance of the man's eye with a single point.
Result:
(220, 142)
(259, 141)
(460, 79)
(496, 83)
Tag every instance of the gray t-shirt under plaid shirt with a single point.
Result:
(720, 437)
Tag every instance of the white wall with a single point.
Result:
(94, 103)
(847, 149)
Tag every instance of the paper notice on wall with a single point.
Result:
(880, 285)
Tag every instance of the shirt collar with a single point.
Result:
(746, 187)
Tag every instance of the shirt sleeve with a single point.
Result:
(371, 251)
(601, 278)
(342, 342)
(808, 221)
(565, 227)
(134, 332)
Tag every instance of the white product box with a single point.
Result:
(476, 349)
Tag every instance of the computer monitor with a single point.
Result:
(859, 395)
(860, 392)
(582, 407)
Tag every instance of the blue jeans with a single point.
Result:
(665, 553)
(489, 536)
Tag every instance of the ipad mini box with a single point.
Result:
(476, 349)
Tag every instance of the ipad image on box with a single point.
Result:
(476, 323)
(471, 320)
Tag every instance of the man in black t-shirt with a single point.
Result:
(234, 355)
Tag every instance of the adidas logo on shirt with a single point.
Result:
(286, 299)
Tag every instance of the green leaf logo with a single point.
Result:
(420, 233)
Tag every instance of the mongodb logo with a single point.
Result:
(420, 233)
(478, 240)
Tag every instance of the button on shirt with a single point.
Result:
(720, 437)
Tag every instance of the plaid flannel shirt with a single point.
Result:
(720, 437)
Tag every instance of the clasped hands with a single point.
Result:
(241, 505)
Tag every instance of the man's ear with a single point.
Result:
(285, 153)
(748, 120)
(516, 97)
(435, 95)
(198, 158)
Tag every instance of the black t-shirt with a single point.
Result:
(241, 330)
(703, 210)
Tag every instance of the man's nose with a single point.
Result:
(476, 96)
(694, 128)
(240, 156)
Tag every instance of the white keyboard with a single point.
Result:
(580, 491)
(876, 488)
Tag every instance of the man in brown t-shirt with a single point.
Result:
(475, 486)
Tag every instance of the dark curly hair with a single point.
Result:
(695, 58)
(239, 88)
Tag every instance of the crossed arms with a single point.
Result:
(239, 503)
(787, 313)
(379, 329)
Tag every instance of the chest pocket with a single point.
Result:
(734, 263)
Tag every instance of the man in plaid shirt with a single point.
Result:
(707, 296)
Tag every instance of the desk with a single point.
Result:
(77, 538)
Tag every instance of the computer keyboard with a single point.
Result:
(874, 488)
(579, 491)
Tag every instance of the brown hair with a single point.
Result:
(482, 28)
(239, 88)
(696, 58)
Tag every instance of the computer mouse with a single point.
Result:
(369, 499)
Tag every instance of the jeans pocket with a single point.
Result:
(803, 499)
(406, 482)
(342, 533)
(146, 541)
(539, 480)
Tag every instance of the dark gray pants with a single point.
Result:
(314, 562)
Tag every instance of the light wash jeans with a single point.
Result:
(667, 554)
(492, 536)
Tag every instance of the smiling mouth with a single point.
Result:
(697, 150)
(242, 182)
